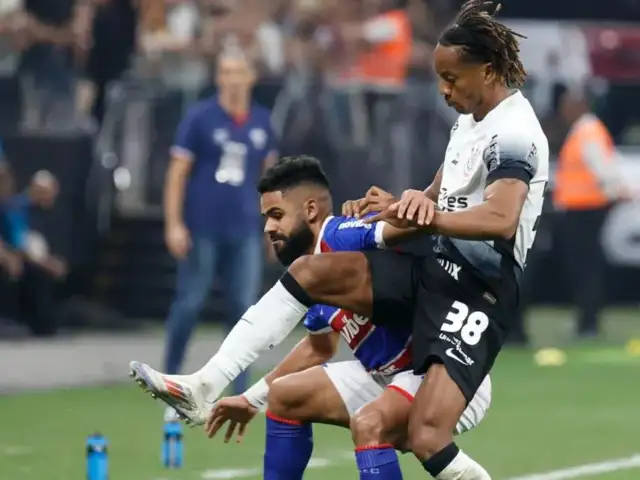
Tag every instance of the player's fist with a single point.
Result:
(235, 410)
(351, 208)
(376, 200)
(178, 240)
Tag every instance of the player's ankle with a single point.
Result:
(453, 464)
(436, 462)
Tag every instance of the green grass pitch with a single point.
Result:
(542, 419)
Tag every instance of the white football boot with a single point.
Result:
(184, 393)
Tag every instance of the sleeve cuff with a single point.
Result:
(257, 394)
(378, 235)
(182, 152)
(517, 173)
(320, 332)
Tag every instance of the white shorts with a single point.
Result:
(357, 387)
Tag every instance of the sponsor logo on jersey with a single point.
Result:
(400, 363)
(459, 356)
(353, 328)
(491, 159)
(354, 224)
(453, 203)
(450, 267)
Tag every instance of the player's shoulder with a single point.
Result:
(341, 223)
(516, 128)
(518, 120)
(203, 108)
(318, 318)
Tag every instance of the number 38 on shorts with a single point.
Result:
(469, 325)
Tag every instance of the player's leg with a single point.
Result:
(455, 343)
(194, 279)
(294, 402)
(378, 429)
(240, 271)
(344, 279)
(381, 426)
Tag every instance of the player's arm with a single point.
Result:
(511, 165)
(178, 172)
(433, 190)
(313, 350)
(496, 217)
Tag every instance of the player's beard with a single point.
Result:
(295, 245)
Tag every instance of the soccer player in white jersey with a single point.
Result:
(462, 298)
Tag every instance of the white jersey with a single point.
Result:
(507, 143)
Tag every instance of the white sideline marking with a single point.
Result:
(587, 470)
(316, 462)
(580, 471)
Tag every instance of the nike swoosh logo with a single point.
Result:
(451, 354)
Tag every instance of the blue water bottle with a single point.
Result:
(97, 458)
(172, 445)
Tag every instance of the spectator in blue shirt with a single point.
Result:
(33, 268)
(10, 260)
(212, 212)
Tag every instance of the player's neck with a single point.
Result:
(235, 105)
(316, 228)
(497, 96)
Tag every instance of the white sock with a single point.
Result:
(463, 467)
(264, 325)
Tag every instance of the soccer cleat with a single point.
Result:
(183, 393)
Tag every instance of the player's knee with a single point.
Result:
(368, 427)
(282, 400)
(309, 271)
(424, 438)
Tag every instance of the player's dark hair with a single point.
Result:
(484, 40)
(289, 172)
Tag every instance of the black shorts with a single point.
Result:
(459, 318)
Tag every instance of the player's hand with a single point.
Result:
(178, 240)
(375, 200)
(415, 207)
(351, 208)
(13, 263)
(413, 210)
(235, 410)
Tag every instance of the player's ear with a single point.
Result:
(311, 210)
(489, 73)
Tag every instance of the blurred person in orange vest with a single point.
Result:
(587, 184)
(384, 42)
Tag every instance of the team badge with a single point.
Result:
(258, 138)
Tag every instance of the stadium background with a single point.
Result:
(107, 224)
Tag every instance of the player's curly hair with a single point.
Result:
(483, 39)
(290, 172)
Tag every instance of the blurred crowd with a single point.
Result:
(66, 52)
(348, 81)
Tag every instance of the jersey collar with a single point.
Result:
(318, 248)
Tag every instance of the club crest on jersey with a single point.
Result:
(220, 136)
(470, 166)
(258, 138)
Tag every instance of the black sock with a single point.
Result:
(441, 460)
(296, 290)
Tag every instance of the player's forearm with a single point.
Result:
(393, 236)
(174, 189)
(311, 351)
(433, 190)
(482, 222)
(304, 355)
